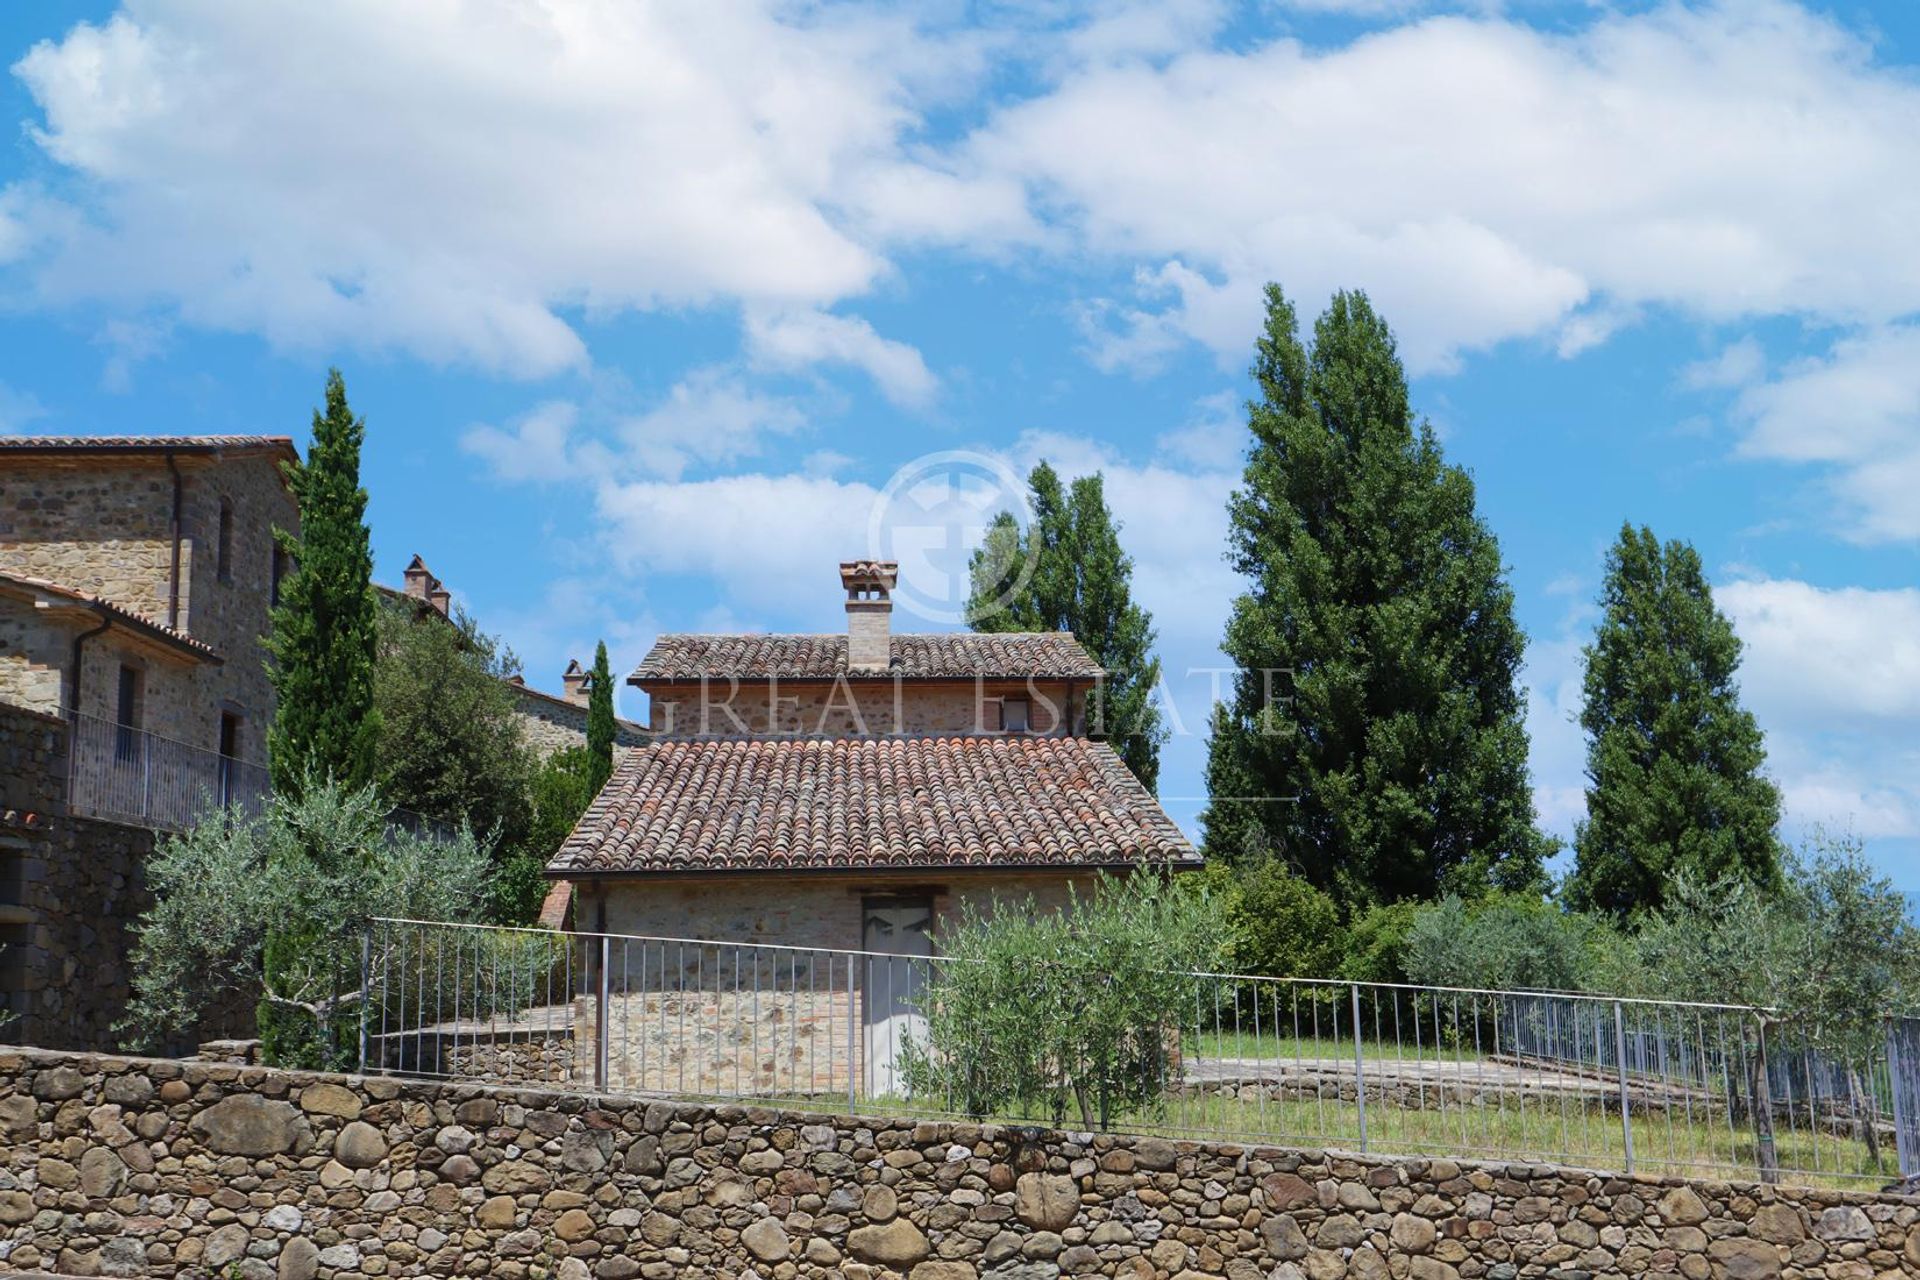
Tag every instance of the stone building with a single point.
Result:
(849, 793)
(135, 579)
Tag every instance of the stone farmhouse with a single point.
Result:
(855, 792)
(136, 579)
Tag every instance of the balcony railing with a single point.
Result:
(129, 775)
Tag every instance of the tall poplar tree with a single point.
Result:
(324, 628)
(1080, 581)
(1374, 736)
(1674, 762)
(600, 722)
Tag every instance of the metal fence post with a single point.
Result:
(366, 988)
(1359, 1067)
(853, 1052)
(1760, 1094)
(1620, 1053)
(600, 1021)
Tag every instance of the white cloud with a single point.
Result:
(448, 179)
(1736, 365)
(1216, 437)
(790, 340)
(486, 171)
(535, 448)
(709, 416)
(1486, 180)
(1828, 657)
(1557, 746)
(1856, 410)
(1833, 676)
(765, 542)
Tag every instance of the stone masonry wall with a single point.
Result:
(33, 657)
(73, 888)
(551, 725)
(864, 708)
(231, 614)
(131, 1167)
(102, 524)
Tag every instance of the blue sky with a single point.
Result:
(646, 305)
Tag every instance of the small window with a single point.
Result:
(224, 553)
(127, 714)
(279, 572)
(229, 754)
(1013, 715)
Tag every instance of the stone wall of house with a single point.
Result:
(130, 1167)
(858, 708)
(821, 910)
(232, 613)
(102, 524)
(33, 657)
(552, 725)
(95, 522)
(70, 891)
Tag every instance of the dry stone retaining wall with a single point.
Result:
(131, 1167)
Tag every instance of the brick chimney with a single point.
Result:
(420, 584)
(869, 585)
(574, 681)
(418, 578)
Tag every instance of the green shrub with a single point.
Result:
(1377, 943)
(1506, 942)
(1277, 923)
(1034, 1012)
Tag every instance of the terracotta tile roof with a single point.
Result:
(120, 614)
(762, 804)
(147, 444)
(961, 655)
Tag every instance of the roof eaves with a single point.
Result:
(138, 623)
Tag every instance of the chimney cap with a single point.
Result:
(574, 668)
(857, 575)
(417, 565)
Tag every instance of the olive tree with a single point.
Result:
(1036, 1012)
(312, 871)
(1825, 958)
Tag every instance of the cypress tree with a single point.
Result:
(1374, 736)
(600, 723)
(324, 633)
(1080, 581)
(1673, 760)
(325, 727)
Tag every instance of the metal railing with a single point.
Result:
(130, 775)
(1637, 1085)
